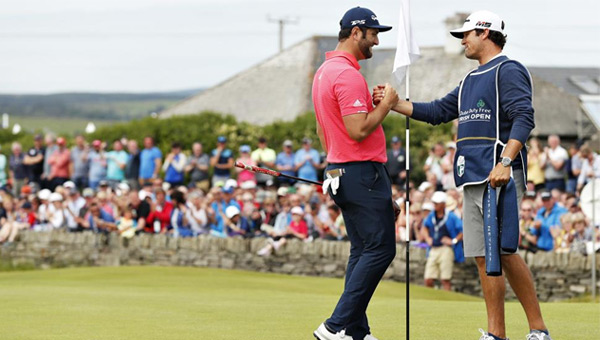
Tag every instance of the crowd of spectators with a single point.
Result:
(125, 189)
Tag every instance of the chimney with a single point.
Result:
(455, 21)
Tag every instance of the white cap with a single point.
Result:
(480, 20)
(451, 145)
(55, 197)
(424, 186)
(282, 191)
(427, 206)
(143, 194)
(438, 197)
(124, 186)
(231, 183)
(297, 211)
(231, 211)
(44, 194)
(248, 185)
(69, 184)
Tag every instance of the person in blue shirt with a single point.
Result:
(150, 161)
(99, 220)
(116, 162)
(179, 225)
(174, 166)
(443, 234)
(547, 221)
(307, 161)
(494, 108)
(222, 161)
(97, 164)
(223, 198)
(285, 162)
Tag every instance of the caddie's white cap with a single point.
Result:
(480, 20)
(438, 197)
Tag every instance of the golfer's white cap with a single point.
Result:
(438, 197)
(480, 20)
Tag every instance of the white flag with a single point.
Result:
(407, 50)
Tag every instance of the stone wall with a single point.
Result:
(557, 276)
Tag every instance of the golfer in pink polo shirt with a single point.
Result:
(349, 128)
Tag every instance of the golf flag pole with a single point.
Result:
(407, 52)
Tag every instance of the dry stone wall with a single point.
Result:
(557, 276)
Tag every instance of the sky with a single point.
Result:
(50, 46)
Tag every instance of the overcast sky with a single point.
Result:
(49, 46)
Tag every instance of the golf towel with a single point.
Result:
(501, 225)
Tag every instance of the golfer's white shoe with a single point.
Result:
(370, 337)
(322, 333)
(537, 335)
(486, 336)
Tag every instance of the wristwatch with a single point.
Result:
(506, 161)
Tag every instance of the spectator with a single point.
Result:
(433, 164)
(221, 161)
(116, 161)
(3, 164)
(574, 165)
(236, 224)
(528, 233)
(60, 163)
(443, 233)
(197, 167)
(150, 161)
(56, 216)
(297, 228)
(97, 164)
(264, 157)
(79, 162)
(581, 235)
(590, 167)
(396, 162)
(50, 148)
(160, 213)
(307, 161)
(196, 213)
(553, 162)
(547, 221)
(243, 174)
(98, 220)
(285, 163)
(535, 172)
(179, 223)
(17, 169)
(174, 166)
(34, 159)
(140, 209)
(126, 225)
(132, 169)
(74, 205)
(562, 241)
(14, 220)
(447, 164)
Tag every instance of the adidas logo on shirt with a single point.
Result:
(357, 103)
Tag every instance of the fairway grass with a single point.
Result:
(200, 303)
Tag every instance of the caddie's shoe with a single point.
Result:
(370, 337)
(486, 336)
(538, 335)
(322, 333)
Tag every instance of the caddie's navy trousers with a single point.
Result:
(365, 198)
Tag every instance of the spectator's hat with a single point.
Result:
(270, 182)
(306, 140)
(362, 17)
(395, 139)
(166, 186)
(245, 148)
(25, 190)
(451, 203)
(69, 185)
(55, 197)
(26, 205)
(439, 197)
(451, 145)
(546, 195)
(44, 194)
(232, 183)
(96, 143)
(297, 211)
(424, 186)
(221, 139)
(103, 183)
(288, 142)
(231, 211)
(427, 206)
(124, 187)
(283, 191)
(228, 190)
(246, 185)
(143, 194)
(88, 192)
(61, 141)
(480, 20)
(530, 194)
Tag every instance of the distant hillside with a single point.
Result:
(93, 106)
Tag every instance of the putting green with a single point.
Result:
(198, 303)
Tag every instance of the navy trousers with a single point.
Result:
(365, 198)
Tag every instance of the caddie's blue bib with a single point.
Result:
(478, 143)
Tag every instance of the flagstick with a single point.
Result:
(407, 211)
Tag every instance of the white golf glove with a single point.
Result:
(331, 181)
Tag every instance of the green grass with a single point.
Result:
(57, 125)
(192, 303)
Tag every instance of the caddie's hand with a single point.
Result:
(390, 96)
(499, 176)
(378, 92)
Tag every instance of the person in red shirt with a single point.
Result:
(60, 162)
(160, 215)
(349, 128)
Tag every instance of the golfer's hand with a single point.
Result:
(378, 94)
(499, 176)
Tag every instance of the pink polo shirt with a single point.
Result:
(340, 90)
